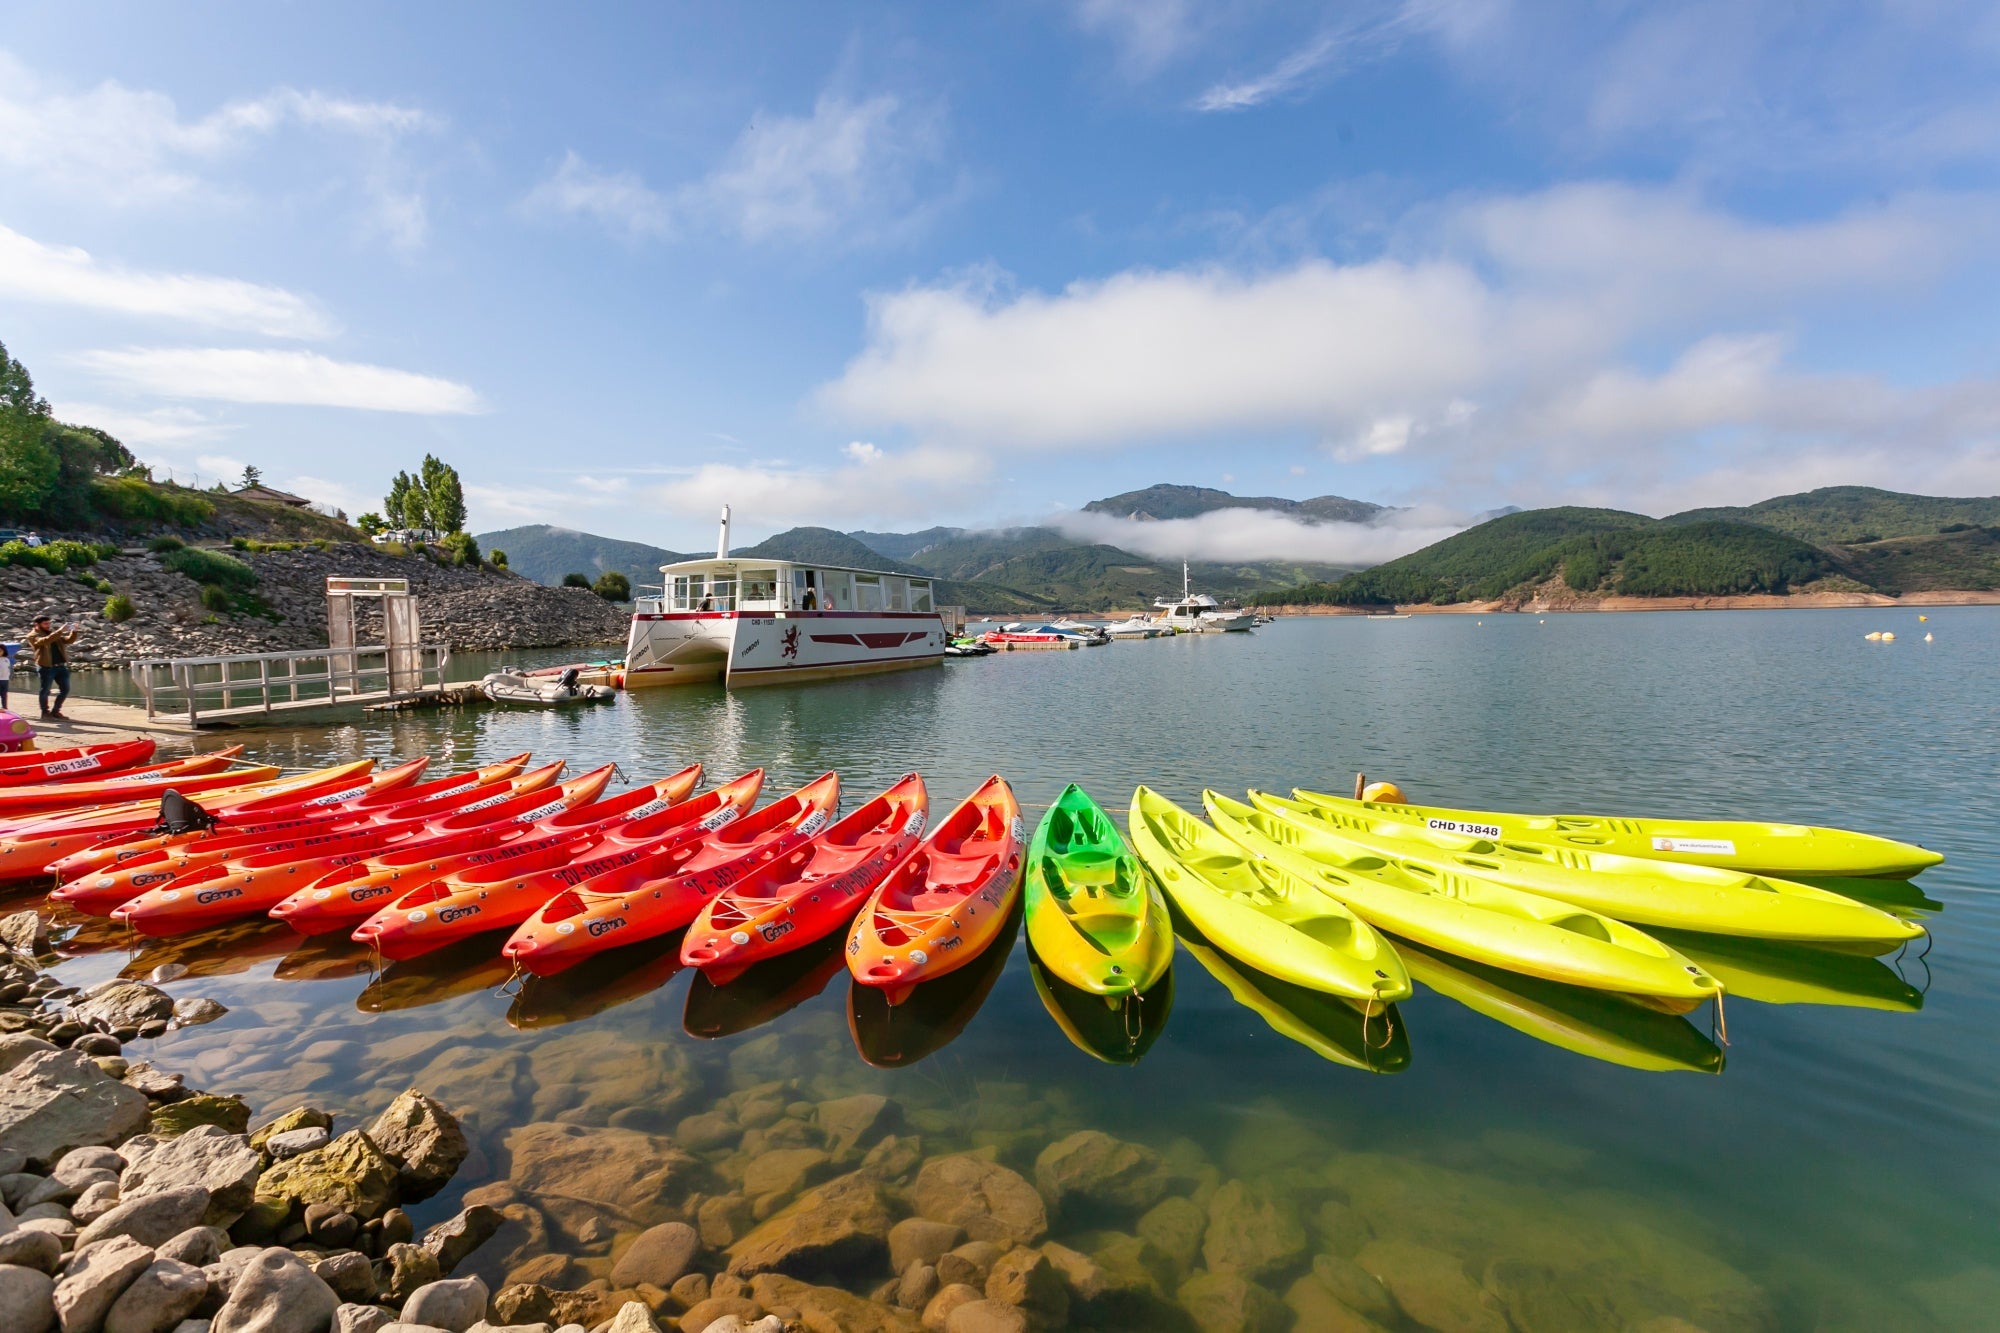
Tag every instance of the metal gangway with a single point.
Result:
(245, 686)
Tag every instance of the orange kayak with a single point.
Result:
(381, 800)
(201, 773)
(947, 902)
(665, 891)
(70, 765)
(811, 892)
(243, 885)
(28, 847)
(477, 899)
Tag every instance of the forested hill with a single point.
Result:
(1169, 502)
(1845, 515)
(1592, 552)
(545, 554)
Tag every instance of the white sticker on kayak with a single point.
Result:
(812, 823)
(1461, 826)
(1018, 829)
(1696, 846)
(913, 827)
(726, 815)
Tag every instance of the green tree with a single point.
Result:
(17, 389)
(252, 476)
(462, 547)
(444, 497)
(29, 465)
(370, 524)
(498, 557)
(613, 586)
(403, 506)
(576, 581)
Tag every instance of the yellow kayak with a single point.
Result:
(1470, 917)
(1118, 1030)
(1374, 1039)
(1095, 917)
(1790, 850)
(1603, 1027)
(1262, 912)
(1635, 889)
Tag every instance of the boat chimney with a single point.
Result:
(722, 538)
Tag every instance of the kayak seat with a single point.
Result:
(936, 900)
(1581, 924)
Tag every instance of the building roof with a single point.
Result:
(271, 495)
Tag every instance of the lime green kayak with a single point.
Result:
(1261, 912)
(1467, 916)
(1793, 974)
(1372, 1039)
(1095, 917)
(1603, 1027)
(1789, 850)
(1634, 889)
(1118, 1030)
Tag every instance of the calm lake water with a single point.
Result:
(1836, 1171)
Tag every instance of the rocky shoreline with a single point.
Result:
(469, 608)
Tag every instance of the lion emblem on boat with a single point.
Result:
(791, 644)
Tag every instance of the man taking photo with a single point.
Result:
(51, 648)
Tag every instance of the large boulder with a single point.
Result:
(229, 1114)
(640, 1177)
(27, 1300)
(123, 1004)
(1090, 1169)
(276, 1293)
(658, 1257)
(152, 1219)
(853, 1123)
(830, 1308)
(95, 1279)
(1432, 1287)
(159, 1298)
(454, 1304)
(350, 1173)
(1025, 1279)
(1226, 1303)
(1251, 1236)
(206, 1156)
(25, 932)
(840, 1227)
(52, 1101)
(986, 1199)
(423, 1139)
(451, 1240)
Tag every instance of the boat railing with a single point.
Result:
(208, 689)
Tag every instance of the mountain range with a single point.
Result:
(1836, 538)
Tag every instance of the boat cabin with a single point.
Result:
(765, 586)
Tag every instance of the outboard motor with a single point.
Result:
(568, 680)
(180, 815)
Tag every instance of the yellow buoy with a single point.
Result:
(1887, 636)
(1384, 791)
(1873, 636)
(1923, 617)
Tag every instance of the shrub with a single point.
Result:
(215, 597)
(73, 555)
(576, 581)
(462, 547)
(136, 499)
(164, 543)
(32, 557)
(211, 567)
(498, 557)
(106, 550)
(613, 586)
(118, 608)
(240, 543)
(102, 585)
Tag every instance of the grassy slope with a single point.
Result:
(1477, 564)
(1166, 502)
(545, 554)
(1965, 561)
(1839, 515)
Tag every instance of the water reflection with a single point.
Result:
(218, 951)
(325, 958)
(1118, 1030)
(614, 977)
(897, 1036)
(1375, 1040)
(1593, 1023)
(763, 992)
(464, 968)
(1773, 973)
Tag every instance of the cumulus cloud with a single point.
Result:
(251, 375)
(64, 275)
(121, 147)
(1259, 534)
(851, 168)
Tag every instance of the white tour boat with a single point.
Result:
(756, 621)
(1198, 613)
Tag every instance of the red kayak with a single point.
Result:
(664, 892)
(944, 905)
(46, 800)
(345, 897)
(83, 877)
(477, 899)
(69, 765)
(812, 892)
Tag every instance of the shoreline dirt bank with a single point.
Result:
(1744, 602)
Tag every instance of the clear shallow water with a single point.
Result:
(1837, 1173)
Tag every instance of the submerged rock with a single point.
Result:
(453, 1239)
(1432, 1288)
(659, 1256)
(1176, 1226)
(1025, 1278)
(841, 1226)
(830, 1307)
(1094, 1170)
(1227, 1303)
(853, 1123)
(1252, 1236)
(640, 1177)
(986, 1199)
(919, 1240)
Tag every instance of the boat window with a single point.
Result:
(920, 595)
(867, 592)
(760, 587)
(898, 591)
(681, 590)
(721, 594)
(838, 590)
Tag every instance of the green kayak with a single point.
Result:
(1095, 916)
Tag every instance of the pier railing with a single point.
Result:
(249, 685)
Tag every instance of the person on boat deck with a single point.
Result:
(812, 600)
(51, 647)
(707, 604)
(6, 670)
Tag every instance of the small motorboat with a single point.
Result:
(1044, 636)
(513, 686)
(964, 647)
(1138, 627)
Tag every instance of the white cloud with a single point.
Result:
(862, 452)
(120, 147)
(166, 427)
(1147, 34)
(250, 375)
(851, 169)
(910, 485)
(1287, 75)
(1259, 534)
(64, 275)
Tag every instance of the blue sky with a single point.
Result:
(891, 265)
